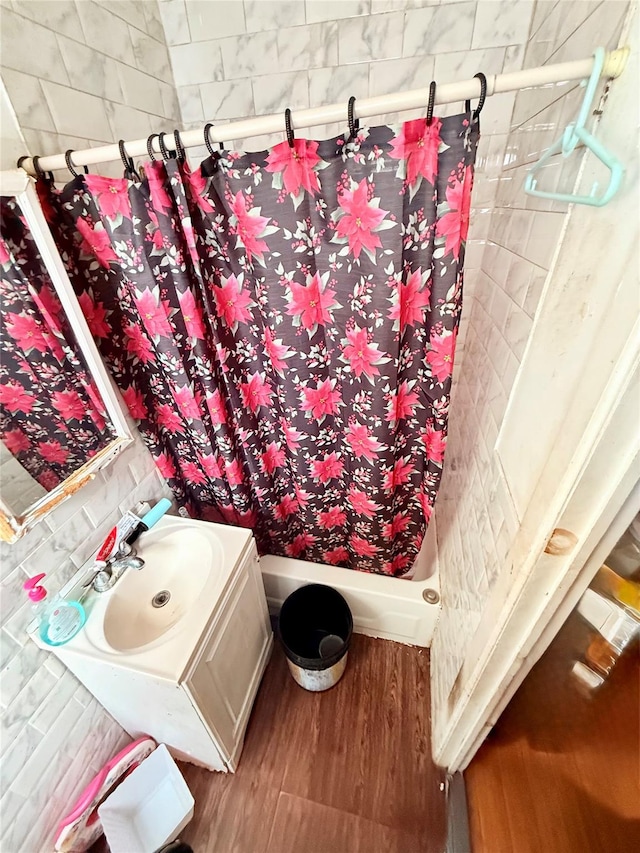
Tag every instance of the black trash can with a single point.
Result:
(315, 629)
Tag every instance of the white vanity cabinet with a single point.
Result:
(193, 689)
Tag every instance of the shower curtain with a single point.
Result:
(282, 325)
(52, 419)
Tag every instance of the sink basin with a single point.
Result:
(148, 603)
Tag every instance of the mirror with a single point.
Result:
(60, 420)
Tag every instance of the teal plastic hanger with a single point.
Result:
(573, 134)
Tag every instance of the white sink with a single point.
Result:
(147, 603)
(188, 568)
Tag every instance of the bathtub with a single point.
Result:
(391, 608)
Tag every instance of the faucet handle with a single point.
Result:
(123, 550)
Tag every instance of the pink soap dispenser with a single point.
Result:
(37, 594)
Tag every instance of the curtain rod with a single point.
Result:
(364, 108)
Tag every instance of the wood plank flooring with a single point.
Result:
(345, 771)
(560, 771)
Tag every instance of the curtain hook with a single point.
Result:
(129, 167)
(289, 128)
(150, 139)
(354, 123)
(432, 101)
(483, 96)
(207, 141)
(69, 162)
(40, 175)
(166, 154)
(181, 153)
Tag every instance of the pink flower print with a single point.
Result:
(16, 441)
(157, 177)
(138, 343)
(361, 503)
(287, 506)
(26, 332)
(276, 350)
(53, 451)
(454, 225)
(69, 405)
(360, 219)
(361, 355)
(311, 302)
(198, 185)
(232, 301)
(296, 165)
(135, 402)
(4, 254)
(153, 313)
(334, 517)
(401, 403)
(95, 315)
(322, 400)
(272, 458)
(361, 441)
(165, 465)
(96, 241)
(361, 547)
(398, 475)
(193, 473)
(216, 408)
(211, 466)
(397, 565)
(168, 418)
(302, 496)
(186, 402)
(191, 315)
(48, 479)
(301, 542)
(426, 504)
(16, 398)
(335, 556)
(112, 195)
(329, 468)
(291, 435)
(398, 524)
(233, 473)
(256, 392)
(411, 301)
(418, 144)
(435, 442)
(249, 227)
(440, 354)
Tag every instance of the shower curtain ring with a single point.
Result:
(432, 101)
(166, 154)
(354, 123)
(181, 153)
(207, 141)
(289, 128)
(40, 175)
(69, 162)
(129, 167)
(150, 139)
(483, 96)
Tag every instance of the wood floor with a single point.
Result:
(560, 772)
(345, 771)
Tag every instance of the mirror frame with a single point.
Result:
(21, 186)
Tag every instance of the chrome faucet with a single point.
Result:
(124, 558)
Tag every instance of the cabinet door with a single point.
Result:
(226, 677)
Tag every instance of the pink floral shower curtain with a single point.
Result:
(52, 419)
(282, 324)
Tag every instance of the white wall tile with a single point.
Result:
(332, 10)
(105, 31)
(329, 85)
(228, 99)
(273, 14)
(248, 55)
(76, 113)
(140, 90)
(501, 23)
(190, 103)
(90, 71)
(314, 46)
(131, 11)
(150, 55)
(130, 123)
(396, 75)
(28, 100)
(196, 63)
(370, 38)
(28, 47)
(273, 93)
(153, 20)
(61, 17)
(176, 24)
(210, 19)
(438, 29)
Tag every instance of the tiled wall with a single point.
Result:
(54, 736)
(476, 527)
(84, 73)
